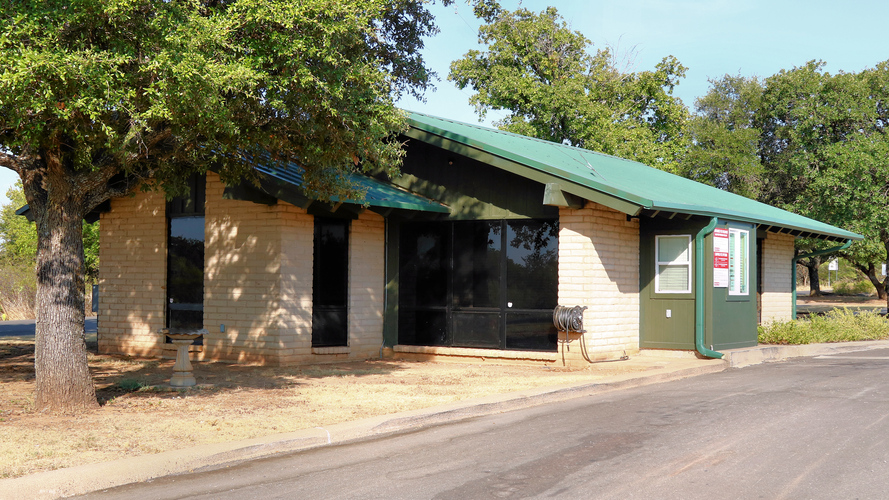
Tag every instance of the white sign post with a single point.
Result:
(833, 265)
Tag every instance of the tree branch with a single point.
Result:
(10, 161)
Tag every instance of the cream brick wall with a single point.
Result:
(242, 285)
(366, 289)
(257, 281)
(367, 279)
(295, 306)
(777, 295)
(599, 268)
(132, 275)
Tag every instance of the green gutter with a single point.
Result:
(806, 256)
(699, 290)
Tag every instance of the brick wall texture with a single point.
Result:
(132, 275)
(777, 295)
(257, 281)
(599, 268)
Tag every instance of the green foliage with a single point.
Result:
(18, 237)
(825, 149)
(99, 97)
(91, 252)
(806, 141)
(839, 325)
(156, 90)
(130, 385)
(858, 287)
(540, 71)
(725, 137)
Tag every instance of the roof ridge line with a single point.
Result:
(526, 137)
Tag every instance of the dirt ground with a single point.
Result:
(829, 300)
(139, 414)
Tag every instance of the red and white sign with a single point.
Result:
(720, 257)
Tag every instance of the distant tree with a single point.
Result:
(99, 97)
(544, 75)
(806, 141)
(824, 149)
(724, 135)
(18, 237)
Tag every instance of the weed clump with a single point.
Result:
(862, 287)
(839, 325)
(130, 385)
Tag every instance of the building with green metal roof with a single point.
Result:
(489, 245)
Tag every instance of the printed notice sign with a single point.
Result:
(720, 257)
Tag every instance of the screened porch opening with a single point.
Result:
(480, 284)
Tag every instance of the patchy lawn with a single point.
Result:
(139, 415)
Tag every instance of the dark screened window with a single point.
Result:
(185, 259)
(488, 284)
(477, 255)
(532, 284)
(423, 290)
(330, 288)
(532, 256)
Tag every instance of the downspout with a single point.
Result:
(699, 290)
(806, 256)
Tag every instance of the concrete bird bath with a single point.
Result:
(182, 338)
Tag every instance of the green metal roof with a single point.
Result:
(625, 185)
(378, 193)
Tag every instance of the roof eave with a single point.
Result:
(515, 163)
(743, 217)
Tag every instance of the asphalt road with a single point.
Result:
(25, 328)
(813, 428)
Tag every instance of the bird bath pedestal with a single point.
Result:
(181, 338)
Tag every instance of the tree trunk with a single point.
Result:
(814, 280)
(64, 384)
(878, 285)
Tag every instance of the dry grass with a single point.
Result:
(232, 402)
(18, 287)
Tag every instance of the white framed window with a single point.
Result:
(738, 261)
(672, 263)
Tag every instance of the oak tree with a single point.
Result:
(554, 88)
(101, 97)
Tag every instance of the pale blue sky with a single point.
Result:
(711, 38)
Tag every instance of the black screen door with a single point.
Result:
(330, 277)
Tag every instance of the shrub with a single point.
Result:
(839, 325)
(853, 287)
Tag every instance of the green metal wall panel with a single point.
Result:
(730, 320)
(656, 329)
(674, 332)
(472, 189)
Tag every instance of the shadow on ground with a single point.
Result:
(116, 375)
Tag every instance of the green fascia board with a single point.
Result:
(380, 194)
(25, 211)
(623, 183)
(288, 187)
